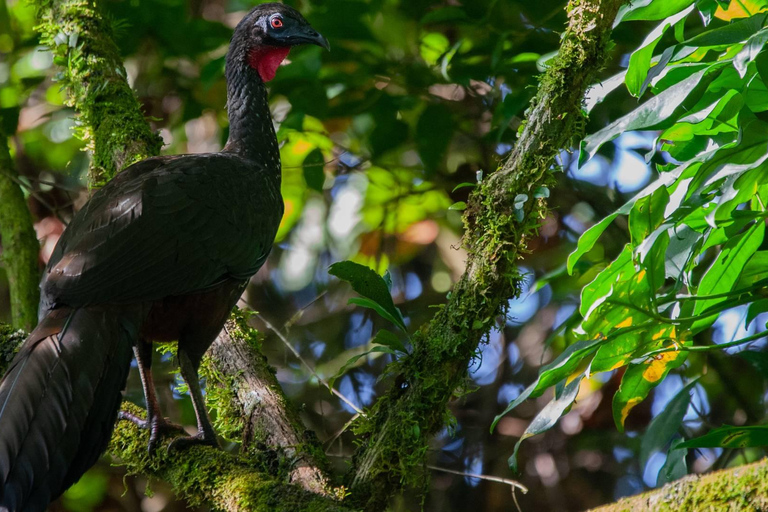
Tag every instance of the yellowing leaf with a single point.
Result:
(741, 9)
(657, 366)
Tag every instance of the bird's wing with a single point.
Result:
(165, 226)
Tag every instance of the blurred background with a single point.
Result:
(415, 98)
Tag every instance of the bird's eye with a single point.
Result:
(277, 22)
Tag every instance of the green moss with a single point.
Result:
(10, 341)
(92, 72)
(202, 474)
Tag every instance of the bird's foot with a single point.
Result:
(182, 443)
(158, 427)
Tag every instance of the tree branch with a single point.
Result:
(264, 417)
(202, 474)
(739, 488)
(398, 427)
(20, 246)
(111, 122)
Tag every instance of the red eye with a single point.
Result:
(277, 23)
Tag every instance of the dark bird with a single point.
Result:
(161, 253)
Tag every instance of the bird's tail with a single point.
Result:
(59, 402)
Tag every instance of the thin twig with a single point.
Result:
(490, 478)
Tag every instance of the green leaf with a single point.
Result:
(640, 60)
(562, 367)
(549, 415)
(314, 175)
(749, 53)
(733, 33)
(370, 285)
(653, 113)
(647, 215)
(391, 340)
(666, 424)
(640, 379)
(725, 271)
(650, 10)
(458, 206)
(463, 185)
(674, 467)
(730, 437)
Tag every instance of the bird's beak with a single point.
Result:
(312, 37)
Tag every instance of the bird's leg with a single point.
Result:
(205, 432)
(155, 422)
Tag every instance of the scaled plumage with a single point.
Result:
(162, 252)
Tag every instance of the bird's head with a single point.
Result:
(265, 36)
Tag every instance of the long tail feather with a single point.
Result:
(59, 401)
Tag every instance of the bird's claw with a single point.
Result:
(182, 443)
(158, 427)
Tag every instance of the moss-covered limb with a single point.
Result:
(19, 244)
(10, 341)
(259, 412)
(111, 122)
(202, 474)
(501, 214)
(733, 489)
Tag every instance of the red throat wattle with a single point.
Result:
(266, 60)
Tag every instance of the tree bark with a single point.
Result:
(502, 213)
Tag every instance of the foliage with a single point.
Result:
(696, 232)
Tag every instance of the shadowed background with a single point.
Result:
(416, 98)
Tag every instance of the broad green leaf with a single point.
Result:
(724, 272)
(733, 33)
(549, 415)
(640, 379)
(564, 365)
(647, 215)
(674, 467)
(640, 60)
(650, 10)
(623, 348)
(730, 437)
(650, 114)
(666, 424)
(370, 285)
(751, 50)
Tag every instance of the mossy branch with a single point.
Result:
(110, 119)
(224, 481)
(19, 244)
(239, 378)
(501, 215)
(733, 489)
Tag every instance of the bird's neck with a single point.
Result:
(251, 133)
